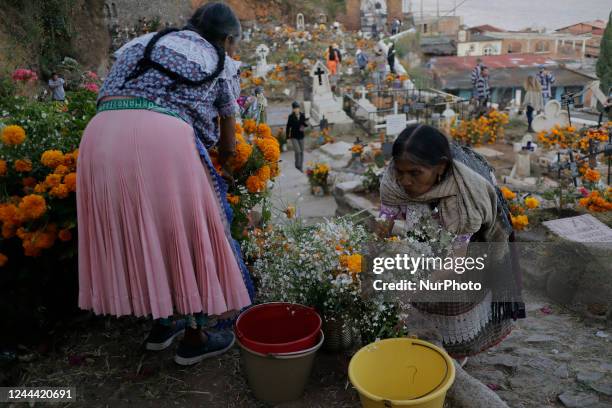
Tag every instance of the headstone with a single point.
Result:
(324, 103)
(246, 36)
(553, 115)
(290, 44)
(523, 150)
(299, 23)
(584, 228)
(262, 68)
(488, 152)
(395, 124)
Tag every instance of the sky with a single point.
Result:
(518, 14)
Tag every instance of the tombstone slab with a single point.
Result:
(324, 103)
(553, 115)
(584, 228)
(488, 152)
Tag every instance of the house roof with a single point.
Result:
(600, 24)
(454, 72)
(485, 27)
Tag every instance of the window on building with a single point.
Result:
(488, 50)
(514, 48)
(542, 46)
(405, 6)
(424, 28)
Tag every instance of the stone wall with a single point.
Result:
(351, 18)
(127, 13)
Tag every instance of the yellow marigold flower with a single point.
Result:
(233, 199)
(61, 169)
(249, 125)
(65, 235)
(592, 176)
(70, 160)
(532, 202)
(507, 193)
(351, 262)
(263, 173)
(519, 222)
(23, 166)
(59, 191)
(240, 158)
(264, 130)
(274, 170)
(40, 188)
(52, 158)
(70, 180)
(32, 207)
(269, 148)
(3, 167)
(254, 184)
(13, 135)
(290, 211)
(53, 180)
(3, 260)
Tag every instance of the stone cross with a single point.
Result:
(553, 115)
(320, 76)
(262, 52)
(290, 44)
(522, 166)
(299, 24)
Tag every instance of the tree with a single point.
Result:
(604, 64)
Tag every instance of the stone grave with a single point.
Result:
(299, 23)
(324, 102)
(583, 228)
(520, 177)
(262, 67)
(553, 115)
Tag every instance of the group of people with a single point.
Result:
(153, 216)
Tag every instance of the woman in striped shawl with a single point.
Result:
(430, 176)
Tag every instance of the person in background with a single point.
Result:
(380, 61)
(395, 26)
(391, 58)
(56, 83)
(296, 124)
(546, 80)
(483, 91)
(333, 60)
(475, 74)
(362, 62)
(533, 100)
(255, 106)
(339, 57)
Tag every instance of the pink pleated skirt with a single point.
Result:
(152, 239)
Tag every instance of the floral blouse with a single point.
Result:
(187, 53)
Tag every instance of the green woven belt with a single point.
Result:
(136, 103)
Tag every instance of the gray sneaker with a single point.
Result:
(218, 343)
(161, 337)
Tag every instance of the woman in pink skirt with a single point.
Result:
(153, 218)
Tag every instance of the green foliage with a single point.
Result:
(420, 77)
(371, 180)
(604, 63)
(406, 44)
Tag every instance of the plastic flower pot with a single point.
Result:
(401, 373)
(277, 378)
(278, 328)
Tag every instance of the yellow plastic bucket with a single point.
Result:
(401, 373)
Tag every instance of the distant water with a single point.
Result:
(519, 14)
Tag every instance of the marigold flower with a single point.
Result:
(249, 125)
(507, 193)
(351, 262)
(13, 135)
(240, 158)
(70, 180)
(532, 202)
(23, 166)
(40, 188)
(592, 176)
(65, 235)
(254, 184)
(233, 199)
(519, 222)
(269, 148)
(263, 130)
(32, 207)
(61, 169)
(8, 213)
(59, 191)
(290, 211)
(3, 260)
(263, 173)
(239, 128)
(52, 158)
(3, 167)
(53, 180)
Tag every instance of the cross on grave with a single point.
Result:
(319, 73)
(262, 52)
(290, 44)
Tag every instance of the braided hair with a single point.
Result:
(214, 22)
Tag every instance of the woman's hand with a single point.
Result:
(383, 228)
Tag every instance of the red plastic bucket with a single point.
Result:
(273, 328)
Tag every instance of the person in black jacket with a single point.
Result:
(296, 123)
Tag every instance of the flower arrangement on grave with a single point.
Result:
(253, 166)
(356, 150)
(568, 137)
(371, 180)
(485, 129)
(519, 208)
(596, 200)
(318, 177)
(319, 266)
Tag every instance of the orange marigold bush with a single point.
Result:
(13, 135)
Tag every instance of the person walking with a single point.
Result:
(333, 60)
(391, 58)
(153, 216)
(296, 124)
(380, 61)
(546, 80)
(533, 101)
(475, 74)
(56, 83)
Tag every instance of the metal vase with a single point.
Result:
(338, 335)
